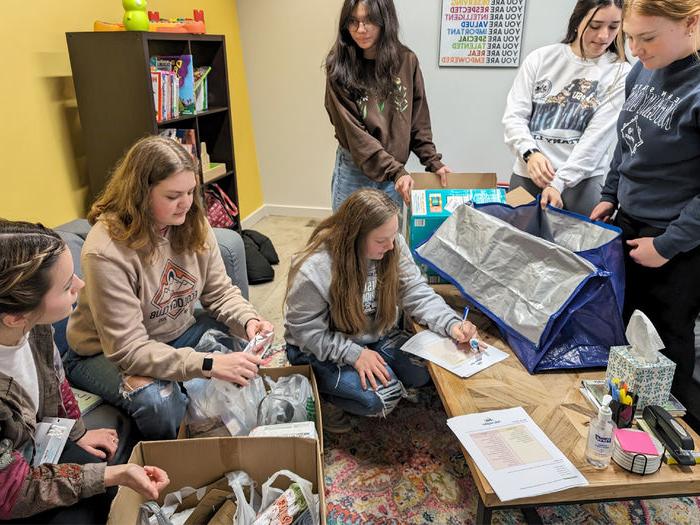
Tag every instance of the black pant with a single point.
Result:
(669, 296)
(90, 511)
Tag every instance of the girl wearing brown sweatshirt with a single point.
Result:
(375, 98)
(150, 256)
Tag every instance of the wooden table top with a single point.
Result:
(554, 402)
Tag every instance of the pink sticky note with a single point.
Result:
(635, 442)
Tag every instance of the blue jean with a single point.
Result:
(340, 384)
(158, 407)
(348, 178)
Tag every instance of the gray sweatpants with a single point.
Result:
(581, 198)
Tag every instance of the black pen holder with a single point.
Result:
(623, 415)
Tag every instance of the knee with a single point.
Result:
(383, 401)
(156, 406)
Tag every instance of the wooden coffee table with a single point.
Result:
(554, 402)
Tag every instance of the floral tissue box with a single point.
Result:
(650, 381)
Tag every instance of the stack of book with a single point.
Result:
(186, 137)
(172, 78)
(594, 390)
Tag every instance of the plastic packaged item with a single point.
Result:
(600, 446)
(304, 429)
(216, 341)
(290, 399)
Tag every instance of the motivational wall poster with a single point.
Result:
(481, 32)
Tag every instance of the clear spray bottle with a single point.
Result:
(600, 434)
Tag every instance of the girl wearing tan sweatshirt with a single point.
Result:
(150, 256)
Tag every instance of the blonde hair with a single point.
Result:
(343, 234)
(677, 10)
(124, 204)
(27, 253)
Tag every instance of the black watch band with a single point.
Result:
(528, 154)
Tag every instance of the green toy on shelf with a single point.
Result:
(135, 15)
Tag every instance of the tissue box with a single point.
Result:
(650, 381)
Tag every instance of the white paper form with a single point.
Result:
(444, 352)
(514, 454)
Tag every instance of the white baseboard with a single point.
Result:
(284, 210)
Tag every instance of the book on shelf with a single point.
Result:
(201, 99)
(165, 94)
(181, 67)
(86, 400)
(594, 390)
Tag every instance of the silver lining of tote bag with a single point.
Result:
(522, 279)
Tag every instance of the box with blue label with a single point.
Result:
(431, 204)
(651, 381)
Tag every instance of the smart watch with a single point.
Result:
(528, 154)
(207, 365)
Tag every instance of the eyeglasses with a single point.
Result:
(354, 24)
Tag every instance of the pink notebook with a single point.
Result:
(635, 442)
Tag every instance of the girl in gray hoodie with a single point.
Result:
(344, 296)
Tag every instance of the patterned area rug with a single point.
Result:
(409, 469)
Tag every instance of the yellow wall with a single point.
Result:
(44, 173)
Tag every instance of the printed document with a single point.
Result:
(443, 351)
(514, 454)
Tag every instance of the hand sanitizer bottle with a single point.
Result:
(599, 449)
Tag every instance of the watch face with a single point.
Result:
(207, 364)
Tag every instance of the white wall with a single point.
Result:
(284, 44)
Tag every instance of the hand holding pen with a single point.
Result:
(464, 333)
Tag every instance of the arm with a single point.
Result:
(594, 142)
(421, 133)
(307, 318)
(516, 118)
(222, 297)
(118, 319)
(683, 234)
(419, 300)
(367, 152)
(69, 406)
(25, 491)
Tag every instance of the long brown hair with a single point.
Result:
(343, 234)
(124, 204)
(27, 254)
(581, 10)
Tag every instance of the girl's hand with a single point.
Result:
(464, 331)
(255, 326)
(602, 211)
(371, 366)
(442, 173)
(540, 169)
(551, 196)
(403, 186)
(236, 367)
(147, 481)
(101, 442)
(644, 253)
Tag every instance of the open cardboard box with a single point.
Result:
(199, 462)
(428, 210)
(276, 373)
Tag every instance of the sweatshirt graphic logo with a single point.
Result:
(632, 134)
(177, 290)
(562, 118)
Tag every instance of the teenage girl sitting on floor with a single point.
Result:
(38, 288)
(344, 296)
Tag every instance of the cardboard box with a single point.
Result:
(650, 381)
(199, 462)
(430, 205)
(276, 373)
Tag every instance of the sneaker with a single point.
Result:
(412, 395)
(335, 420)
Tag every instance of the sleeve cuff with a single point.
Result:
(451, 325)
(557, 184)
(353, 354)
(665, 247)
(93, 479)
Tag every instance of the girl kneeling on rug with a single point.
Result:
(345, 292)
(37, 288)
(148, 259)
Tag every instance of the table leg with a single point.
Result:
(531, 516)
(483, 513)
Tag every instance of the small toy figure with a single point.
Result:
(135, 15)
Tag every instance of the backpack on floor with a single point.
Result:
(259, 257)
